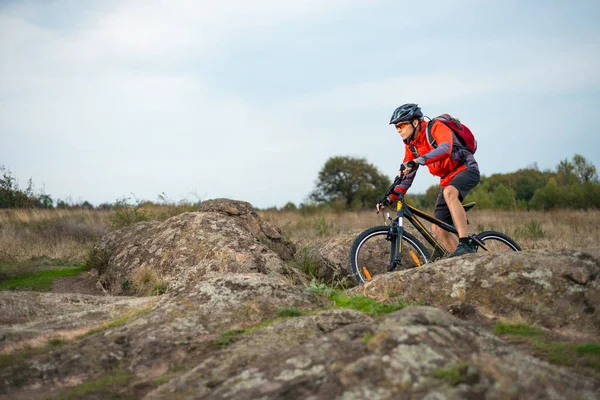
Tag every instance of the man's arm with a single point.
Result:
(443, 137)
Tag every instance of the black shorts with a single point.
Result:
(464, 181)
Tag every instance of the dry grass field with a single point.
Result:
(561, 229)
(65, 236)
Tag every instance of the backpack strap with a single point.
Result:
(414, 151)
(430, 137)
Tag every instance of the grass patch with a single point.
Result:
(570, 354)
(56, 341)
(146, 282)
(111, 383)
(288, 312)
(307, 264)
(13, 269)
(122, 320)
(229, 336)
(581, 356)
(320, 289)
(588, 348)
(356, 302)
(367, 337)
(454, 375)
(97, 258)
(21, 356)
(40, 281)
(519, 329)
(365, 304)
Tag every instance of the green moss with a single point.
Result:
(588, 348)
(12, 269)
(571, 354)
(520, 329)
(228, 337)
(367, 337)
(288, 312)
(40, 281)
(454, 375)
(365, 304)
(55, 342)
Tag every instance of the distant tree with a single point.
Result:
(61, 204)
(45, 201)
(503, 198)
(289, 206)
(547, 197)
(584, 171)
(481, 195)
(565, 171)
(351, 180)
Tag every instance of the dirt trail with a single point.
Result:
(84, 283)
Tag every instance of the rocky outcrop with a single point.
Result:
(236, 322)
(29, 319)
(224, 237)
(417, 353)
(328, 259)
(178, 331)
(558, 290)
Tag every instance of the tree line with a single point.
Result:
(348, 183)
(13, 196)
(353, 183)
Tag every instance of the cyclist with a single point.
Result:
(453, 163)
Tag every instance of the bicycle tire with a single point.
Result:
(370, 253)
(497, 242)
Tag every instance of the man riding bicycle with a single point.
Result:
(452, 162)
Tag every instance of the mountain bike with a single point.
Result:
(390, 247)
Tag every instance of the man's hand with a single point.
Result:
(406, 167)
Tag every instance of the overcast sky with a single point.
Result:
(248, 99)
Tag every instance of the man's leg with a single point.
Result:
(442, 212)
(457, 211)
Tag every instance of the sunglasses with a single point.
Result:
(402, 125)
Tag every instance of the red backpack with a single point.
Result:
(462, 133)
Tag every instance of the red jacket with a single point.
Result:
(441, 165)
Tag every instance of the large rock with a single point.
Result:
(328, 259)
(416, 353)
(226, 236)
(177, 332)
(558, 290)
(29, 319)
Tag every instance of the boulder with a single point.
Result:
(416, 353)
(225, 236)
(176, 333)
(328, 259)
(557, 290)
(30, 319)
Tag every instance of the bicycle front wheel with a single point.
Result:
(370, 254)
(496, 242)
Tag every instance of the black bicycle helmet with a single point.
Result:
(406, 112)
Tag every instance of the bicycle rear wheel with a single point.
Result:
(371, 251)
(497, 242)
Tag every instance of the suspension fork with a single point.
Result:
(396, 240)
